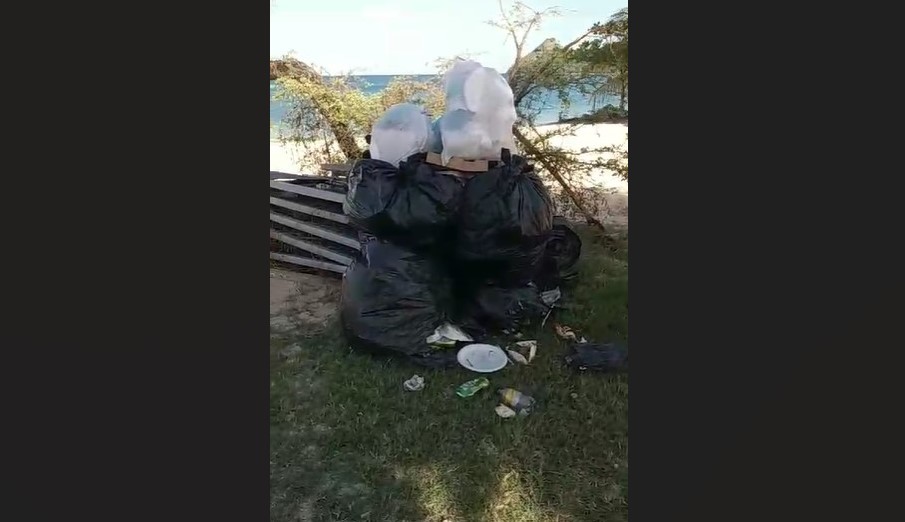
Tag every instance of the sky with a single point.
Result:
(407, 36)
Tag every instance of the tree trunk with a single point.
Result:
(622, 95)
(293, 68)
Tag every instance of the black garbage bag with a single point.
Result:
(505, 222)
(495, 308)
(392, 300)
(604, 357)
(371, 187)
(425, 207)
(561, 255)
(413, 205)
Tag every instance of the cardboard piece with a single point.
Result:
(460, 164)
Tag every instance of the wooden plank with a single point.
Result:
(314, 249)
(276, 175)
(311, 263)
(336, 167)
(307, 191)
(332, 216)
(314, 231)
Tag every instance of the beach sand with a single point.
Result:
(286, 158)
(609, 191)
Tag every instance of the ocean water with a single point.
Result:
(550, 108)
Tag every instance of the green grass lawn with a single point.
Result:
(348, 443)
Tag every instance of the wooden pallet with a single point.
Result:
(307, 223)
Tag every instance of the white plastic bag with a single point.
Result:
(403, 130)
(464, 135)
(435, 141)
(480, 113)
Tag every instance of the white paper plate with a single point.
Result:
(482, 358)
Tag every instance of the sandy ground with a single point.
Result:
(286, 158)
(299, 300)
(608, 192)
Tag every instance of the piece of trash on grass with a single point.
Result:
(517, 357)
(504, 411)
(416, 383)
(467, 389)
(603, 357)
(517, 400)
(446, 336)
(531, 346)
(582, 340)
(524, 352)
(551, 296)
(564, 332)
(482, 358)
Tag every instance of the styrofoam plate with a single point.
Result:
(482, 358)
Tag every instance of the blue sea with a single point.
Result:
(550, 107)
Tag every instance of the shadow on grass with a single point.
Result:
(347, 443)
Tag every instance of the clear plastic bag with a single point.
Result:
(464, 135)
(480, 113)
(404, 129)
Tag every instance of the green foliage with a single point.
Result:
(319, 105)
(606, 53)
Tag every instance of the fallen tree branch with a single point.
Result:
(529, 147)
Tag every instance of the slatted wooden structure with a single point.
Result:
(308, 228)
(307, 225)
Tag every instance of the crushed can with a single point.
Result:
(467, 389)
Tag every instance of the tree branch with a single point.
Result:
(529, 147)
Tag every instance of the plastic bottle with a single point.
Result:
(516, 400)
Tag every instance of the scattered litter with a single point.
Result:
(604, 357)
(551, 296)
(446, 336)
(416, 383)
(517, 357)
(564, 332)
(504, 411)
(482, 358)
(531, 346)
(573, 395)
(582, 340)
(467, 389)
(524, 352)
(517, 400)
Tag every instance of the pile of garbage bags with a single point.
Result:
(439, 247)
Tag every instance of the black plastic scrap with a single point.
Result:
(604, 357)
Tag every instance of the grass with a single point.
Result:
(348, 443)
